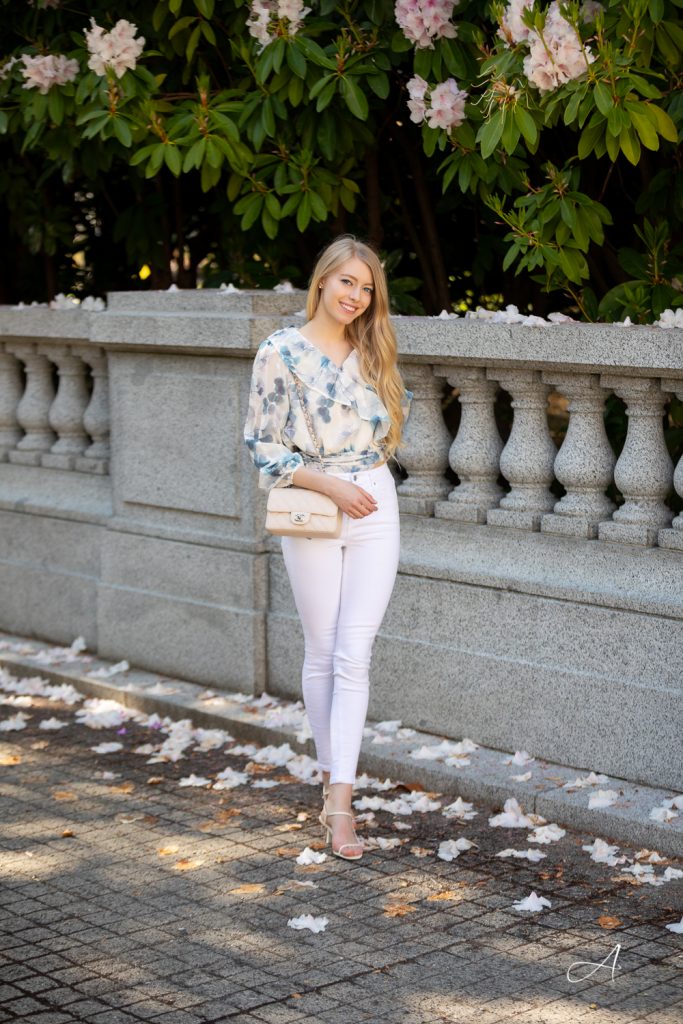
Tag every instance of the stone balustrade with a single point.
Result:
(523, 616)
(60, 426)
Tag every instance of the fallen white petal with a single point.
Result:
(546, 834)
(229, 779)
(194, 780)
(107, 748)
(671, 873)
(309, 856)
(677, 927)
(459, 809)
(603, 798)
(663, 814)
(111, 670)
(449, 849)
(14, 723)
(513, 816)
(533, 855)
(315, 924)
(602, 853)
(521, 778)
(265, 784)
(588, 780)
(52, 723)
(532, 903)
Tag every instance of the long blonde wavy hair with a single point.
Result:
(371, 333)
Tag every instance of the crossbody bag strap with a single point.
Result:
(309, 422)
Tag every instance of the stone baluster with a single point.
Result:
(11, 388)
(673, 538)
(528, 457)
(475, 453)
(644, 469)
(585, 463)
(424, 451)
(95, 458)
(34, 407)
(66, 412)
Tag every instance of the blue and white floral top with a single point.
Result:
(347, 414)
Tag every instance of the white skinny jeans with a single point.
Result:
(341, 588)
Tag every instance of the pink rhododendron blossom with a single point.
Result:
(117, 50)
(265, 15)
(422, 21)
(558, 56)
(42, 73)
(417, 89)
(444, 107)
(512, 28)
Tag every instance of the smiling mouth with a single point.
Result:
(348, 309)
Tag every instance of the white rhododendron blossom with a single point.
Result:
(117, 50)
(558, 55)
(43, 72)
(444, 107)
(422, 21)
(265, 15)
(512, 28)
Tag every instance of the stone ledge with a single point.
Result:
(610, 575)
(485, 781)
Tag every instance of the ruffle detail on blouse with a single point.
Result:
(317, 372)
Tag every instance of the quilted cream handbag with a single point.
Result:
(298, 511)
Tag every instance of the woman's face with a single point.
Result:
(347, 291)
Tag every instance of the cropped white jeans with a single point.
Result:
(341, 588)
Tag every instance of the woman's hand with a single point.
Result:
(352, 499)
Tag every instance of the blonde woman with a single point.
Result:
(345, 356)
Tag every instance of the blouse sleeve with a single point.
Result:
(406, 402)
(267, 415)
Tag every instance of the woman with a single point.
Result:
(345, 357)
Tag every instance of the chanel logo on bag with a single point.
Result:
(300, 517)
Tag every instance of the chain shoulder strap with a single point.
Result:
(309, 422)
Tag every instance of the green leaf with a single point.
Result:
(279, 50)
(267, 117)
(510, 136)
(208, 33)
(234, 186)
(355, 98)
(489, 134)
(422, 63)
(315, 53)
(662, 122)
(303, 213)
(318, 207)
(630, 146)
(194, 155)
(55, 105)
(647, 132)
(603, 98)
(379, 85)
(295, 91)
(588, 140)
(155, 161)
(296, 60)
(269, 224)
(192, 43)
(122, 131)
(181, 24)
(399, 43)
(252, 213)
(572, 109)
(316, 89)
(205, 7)
(526, 125)
(173, 159)
(656, 8)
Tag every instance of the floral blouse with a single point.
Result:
(347, 414)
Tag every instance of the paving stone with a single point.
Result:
(118, 935)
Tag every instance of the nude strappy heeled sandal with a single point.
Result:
(328, 830)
